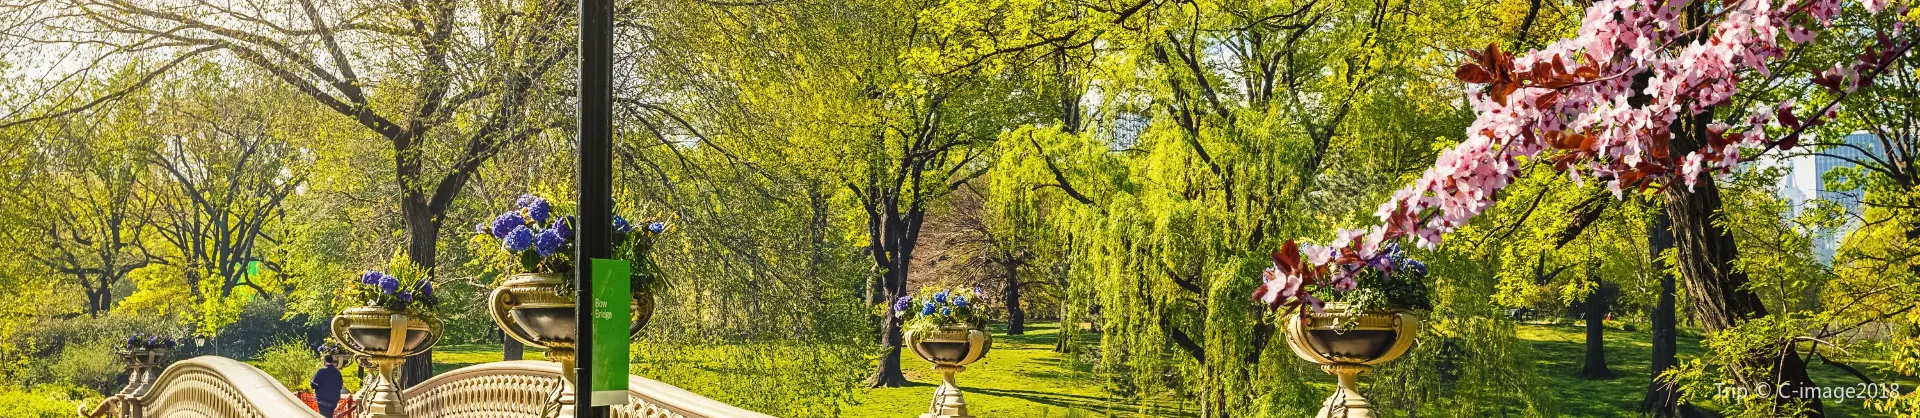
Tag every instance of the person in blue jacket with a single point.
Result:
(326, 386)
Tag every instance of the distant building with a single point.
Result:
(1807, 180)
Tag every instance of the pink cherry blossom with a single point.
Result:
(1599, 133)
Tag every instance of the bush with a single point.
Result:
(47, 401)
(290, 362)
(91, 365)
(263, 323)
(48, 337)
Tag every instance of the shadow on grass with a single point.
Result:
(1066, 401)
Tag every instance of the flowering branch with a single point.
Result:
(1614, 128)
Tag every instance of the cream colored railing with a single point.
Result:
(523, 389)
(210, 387)
(218, 387)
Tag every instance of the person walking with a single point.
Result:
(326, 386)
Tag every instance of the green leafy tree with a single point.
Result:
(443, 83)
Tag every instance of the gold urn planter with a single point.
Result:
(538, 309)
(1345, 344)
(950, 349)
(385, 338)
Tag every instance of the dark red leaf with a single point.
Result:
(1831, 83)
(1288, 258)
(1473, 74)
(1785, 115)
(1587, 72)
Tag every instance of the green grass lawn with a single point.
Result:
(1023, 377)
(1559, 352)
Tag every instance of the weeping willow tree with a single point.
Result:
(1190, 140)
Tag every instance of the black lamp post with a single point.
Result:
(594, 182)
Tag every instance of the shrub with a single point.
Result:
(265, 322)
(47, 401)
(48, 337)
(91, 365)
(290, 362)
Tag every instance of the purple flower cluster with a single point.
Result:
(149, 342)
(521, 229)
(391, 287)
(538, 239)
(946, 302)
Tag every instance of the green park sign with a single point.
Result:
(611, 316)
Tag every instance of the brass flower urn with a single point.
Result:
(950, 349)
(538, 310)
(385, 338)
(1345, 344)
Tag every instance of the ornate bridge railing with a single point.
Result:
(219, 387)
(209, 387)
(523, 388)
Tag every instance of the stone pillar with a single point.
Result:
(947, 401)
(1346, 401)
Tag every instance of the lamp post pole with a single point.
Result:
(594, 183)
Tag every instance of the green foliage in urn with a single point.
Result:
(936, 309)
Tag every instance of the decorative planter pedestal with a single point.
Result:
(1373, 338)
(950, 349)
(140, 365)
(538, 310)
(385, 338)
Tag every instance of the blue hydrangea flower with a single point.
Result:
(960, 301)
(426, 288)
(940, 297)
(526, 200)
(519, 240)
(540, 210)
(621, 226)
(370, 277)
(927, 309)
(657, 227)
(404, 296)
(565, 226)
(946, 311)
(133, 341)
(506, 222)
(548, 242)
(153, 341)
(1419, 268)
(901, 305)
(389, 284)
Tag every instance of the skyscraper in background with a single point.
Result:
(1807, 180)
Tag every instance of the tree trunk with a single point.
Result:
(1717, 291)
(511, 349)
(423, 232)
(99, 301)
(1016, 317)
(1661, 401)
(1596, 313)
(887, 373)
